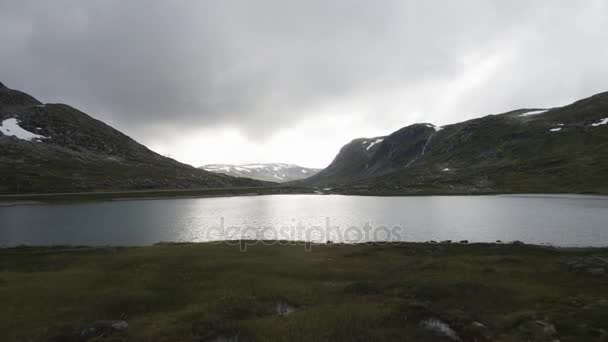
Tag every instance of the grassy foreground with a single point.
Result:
(207, 292)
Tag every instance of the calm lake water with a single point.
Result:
(568, 220)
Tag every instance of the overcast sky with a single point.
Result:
(231, 81)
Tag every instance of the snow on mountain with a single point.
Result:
(10, 127)
(273, 172)
(534, 112)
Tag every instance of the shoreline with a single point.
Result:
(280, 243)
(165, 194)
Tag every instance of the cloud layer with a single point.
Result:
(178, 74)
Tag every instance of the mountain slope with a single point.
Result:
(272, 172)
(528, 150)
(56, 148)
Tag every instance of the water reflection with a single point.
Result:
(559, 220)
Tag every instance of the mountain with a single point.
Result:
(56, 148)
(561, 149)
(272, 172)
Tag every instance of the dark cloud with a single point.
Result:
(263, 65)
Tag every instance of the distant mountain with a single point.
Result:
(272, 172)
(56, 148)
(561, 149)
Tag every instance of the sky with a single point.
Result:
(231, 81)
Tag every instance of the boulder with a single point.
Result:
(103, 328)
(597, 271)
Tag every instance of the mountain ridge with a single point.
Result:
(57, 148)
(272, 172)
(560, 149)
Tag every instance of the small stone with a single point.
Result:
(120, 325)
(439, 328)
(548, 328)
(577, 266)
(599, 332)
(103, 328)
(478, 325)
(284, 309)
(596, 271)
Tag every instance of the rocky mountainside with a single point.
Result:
(272, 172)
(56, 148)
(560, 149)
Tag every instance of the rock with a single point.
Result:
(283, 309)
(600, 260)
(478, 325)
(464, 241)
(577, 266)
(548, 328)
(601, 332)
(226, 338)
(596, 271)
(517, 242)
(439, 328)
(103, 328)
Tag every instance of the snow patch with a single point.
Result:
(10, 127)
(600, 123)
(446, 169)
(374, 143)
(555, 129)
(535, 112)
(436, 128)
(254, 166)
(304, 171)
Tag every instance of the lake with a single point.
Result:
(561, 220)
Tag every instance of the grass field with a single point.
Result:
(215, 292)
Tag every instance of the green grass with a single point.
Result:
(198, 292)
